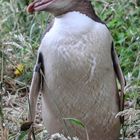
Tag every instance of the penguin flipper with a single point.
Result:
(36, 85)
(34, 92)
(119, 74)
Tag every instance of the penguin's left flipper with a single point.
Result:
(119, 75)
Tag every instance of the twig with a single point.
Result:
(1, 103)
(32, 128)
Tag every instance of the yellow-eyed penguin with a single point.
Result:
(77, 67)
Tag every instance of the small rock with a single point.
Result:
(58, 136)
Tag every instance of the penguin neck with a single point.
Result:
(83, 7)
(72, 23)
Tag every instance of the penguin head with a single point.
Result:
(56, 7)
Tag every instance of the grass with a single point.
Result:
(20, 35)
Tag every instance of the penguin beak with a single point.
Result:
(39, 5)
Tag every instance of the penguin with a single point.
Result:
(77, 70)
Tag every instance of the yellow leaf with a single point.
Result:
(19, 70)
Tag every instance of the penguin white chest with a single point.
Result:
(76, 45)
(77, 57)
